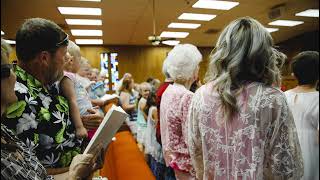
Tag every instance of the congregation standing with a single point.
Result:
(237, 125)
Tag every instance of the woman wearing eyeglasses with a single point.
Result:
(17, 161)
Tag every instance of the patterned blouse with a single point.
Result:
(259, 143)
(40, 119)
(17, 162)
(174, 110)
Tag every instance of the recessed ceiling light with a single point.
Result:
(212, 4)
(184, 25)
(89, 41)
(96, 22)
(309, 13)
(80, 11)
(285, 23)
(169, 34)
(2, 33)
(199, 17)
(86, 32)
(271, 30)
(10, 41)
(171, 42)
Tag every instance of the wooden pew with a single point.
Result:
(123, 159)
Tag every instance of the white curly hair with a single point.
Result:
(182, 62)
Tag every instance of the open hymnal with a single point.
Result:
(109, 126)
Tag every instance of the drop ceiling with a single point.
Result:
(129, 22)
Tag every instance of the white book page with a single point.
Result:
(109, 126)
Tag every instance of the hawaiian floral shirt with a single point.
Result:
(41, 120)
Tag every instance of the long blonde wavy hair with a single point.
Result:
(244, 53)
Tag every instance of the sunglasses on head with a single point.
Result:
(6, 70)
(65, 41)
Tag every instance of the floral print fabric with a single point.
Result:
(173, 112)
(40, 119)
(259, 143)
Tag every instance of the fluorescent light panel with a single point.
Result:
(86, 32)
(285, 23)
(199, 17)
(89, 0)
(96, 22)
(271, 30)
(184, 25)
(89, 41)
(309, 13)
(171, 42)
(10, 41)
(212, 4)
(169, 34)
(2, 33)
(80, 11)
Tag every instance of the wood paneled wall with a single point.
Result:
(141, 61)
(146, 61)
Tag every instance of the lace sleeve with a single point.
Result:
(283, 154)
(194, 137)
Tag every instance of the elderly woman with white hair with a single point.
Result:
(183, 66)
(239, 126)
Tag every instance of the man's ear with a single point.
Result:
(44, 58)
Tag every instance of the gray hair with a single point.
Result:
(145, 85)
(182, 61)
(95, 70)
(244, 52)
(5, 51)
(165, 70)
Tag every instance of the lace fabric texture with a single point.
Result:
(173, 112)
(259, 143)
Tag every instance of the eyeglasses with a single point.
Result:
(6, 70)
(65, 41)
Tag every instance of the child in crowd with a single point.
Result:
(303, 101)
(75, 93)
(128, 102)
(145, 89)
(152, 147)
(96, 89)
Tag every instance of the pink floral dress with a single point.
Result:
(173, 112)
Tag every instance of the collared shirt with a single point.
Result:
(18, 162)
(41, 120)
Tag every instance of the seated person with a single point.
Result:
(18, 161)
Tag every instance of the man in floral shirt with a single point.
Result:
(40, 118)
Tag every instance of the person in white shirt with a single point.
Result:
(303, 101)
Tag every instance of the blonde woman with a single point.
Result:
(183, 66)
(240, 127)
